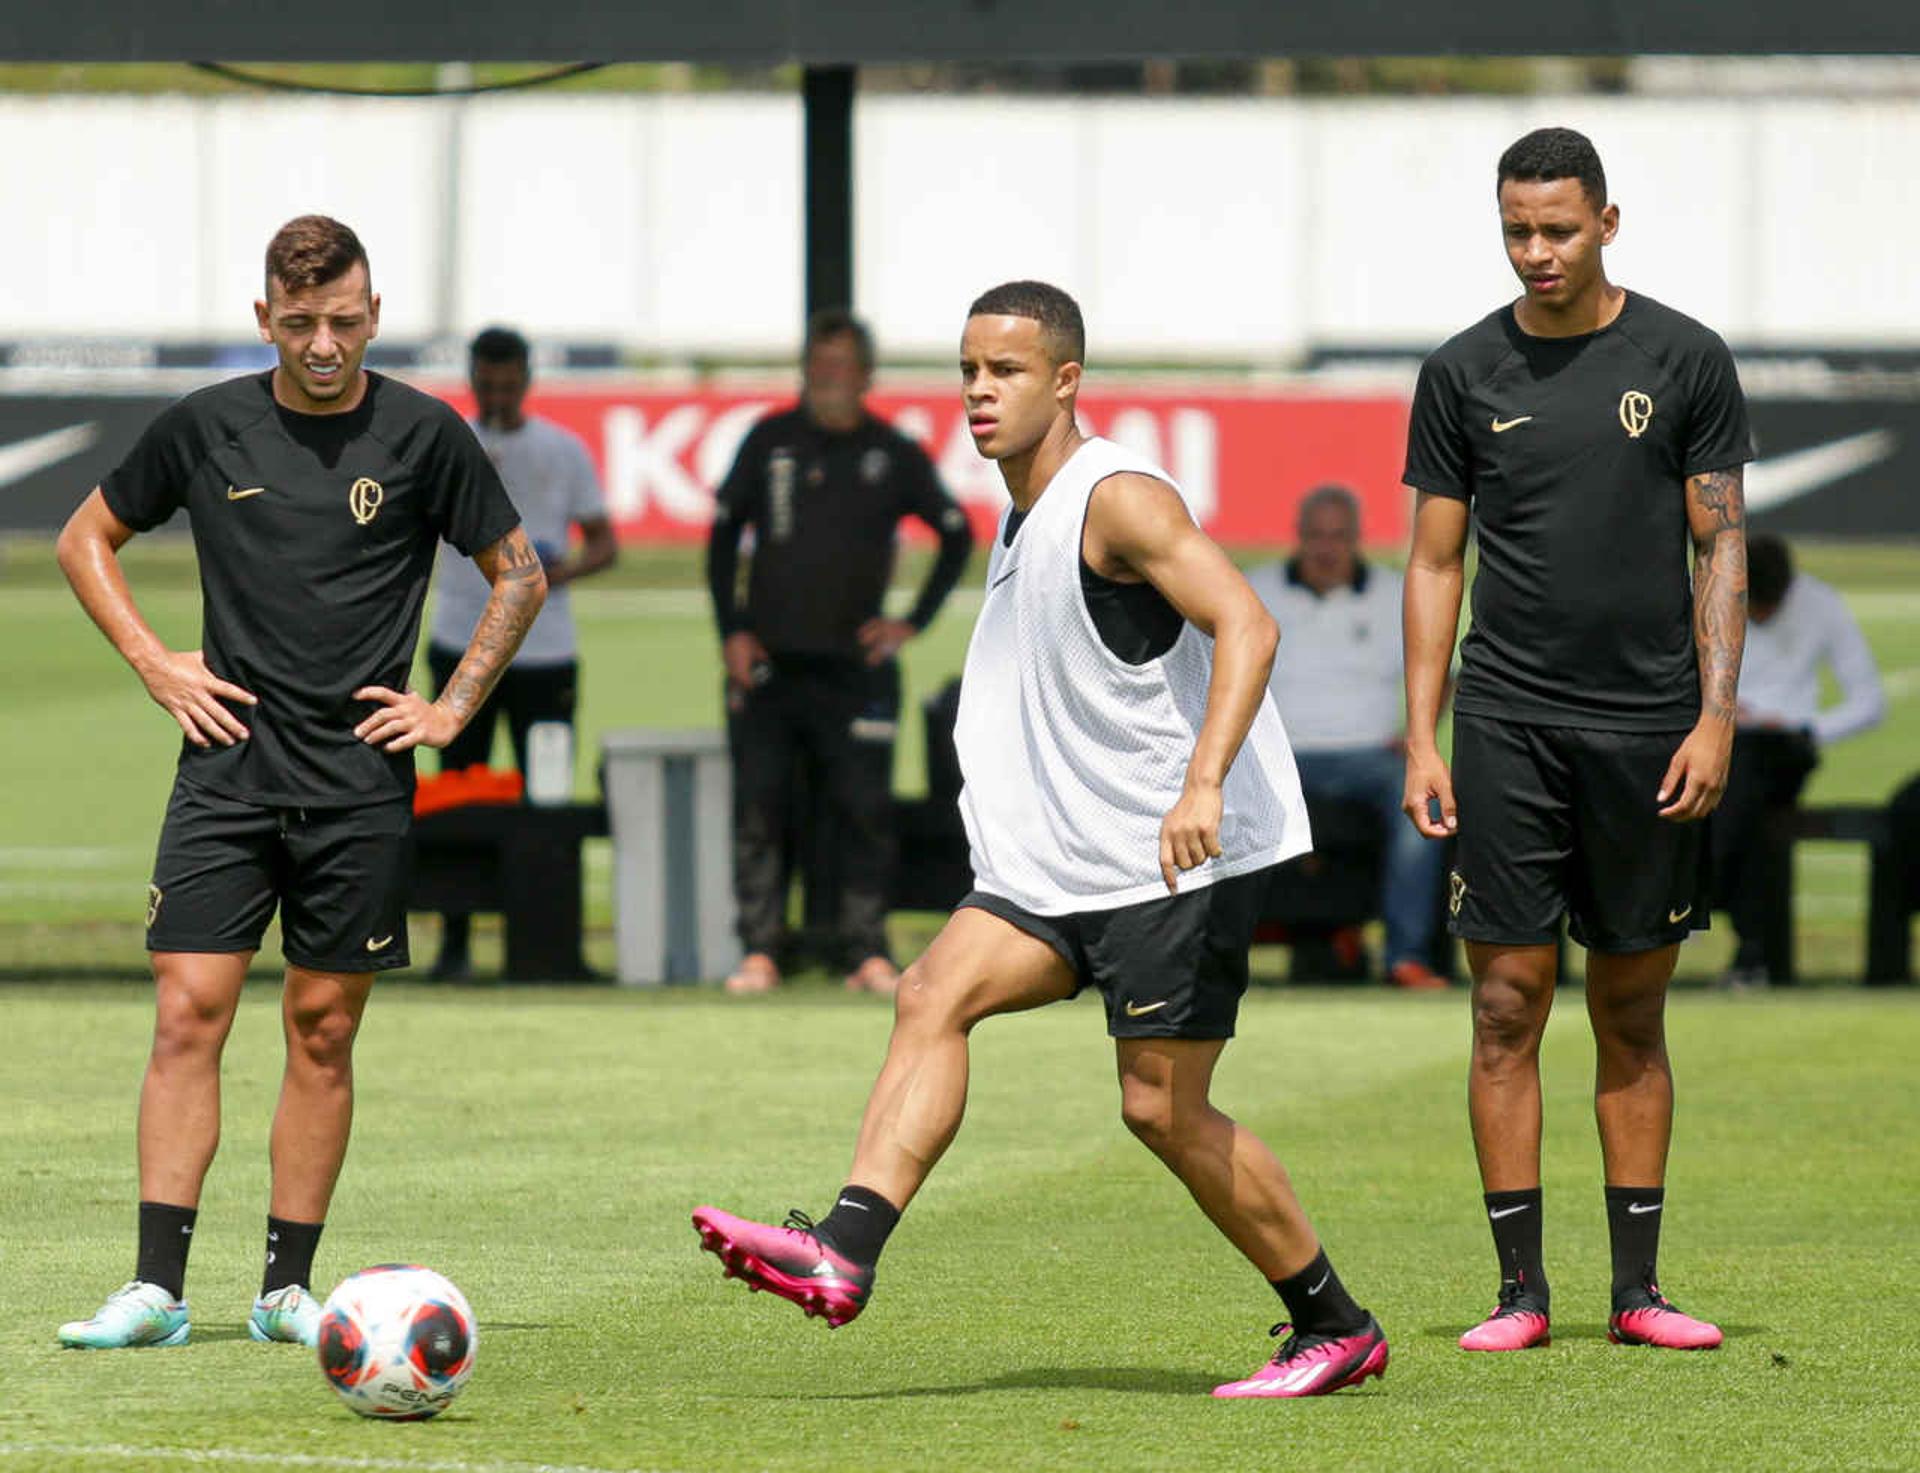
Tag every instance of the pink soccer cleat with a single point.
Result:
(1313, 1366)
(1659, 1323)
(1514, 1325)
(789, 1261)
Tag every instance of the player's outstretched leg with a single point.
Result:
(1329, 1341)
(978, 965)
(1512, 997)
(1633, 1103)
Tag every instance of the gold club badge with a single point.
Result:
(154, 896)
(1636, 411)
(365, 498)
(1456, 892)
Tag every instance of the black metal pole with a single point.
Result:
(827, 95)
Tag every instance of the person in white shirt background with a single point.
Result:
(550, 476)
(1337, 682)
(1795, 625)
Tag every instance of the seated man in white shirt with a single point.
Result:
(1795, 624)
(1337, 682)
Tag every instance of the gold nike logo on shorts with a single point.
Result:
(1136, 1010)
(1675, 917)
(379, 943)
(234, 494)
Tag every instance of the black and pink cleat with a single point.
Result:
(1315, 1365)
(789, 1261)
(1659, 1323)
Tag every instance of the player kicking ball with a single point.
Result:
(1128, 789)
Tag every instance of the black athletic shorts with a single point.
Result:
(338, 876)
(1169, 968)
(1558, 820)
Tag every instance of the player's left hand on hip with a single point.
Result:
(1189, 834)
(405, 719)
(1696, 777)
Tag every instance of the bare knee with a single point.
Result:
(1634, 1029)
(1510, 1011)
(320, 1037)
(1147, 1108)
(190, 1023)
(927, 1003)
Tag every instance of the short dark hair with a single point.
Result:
(1056, 312)
(833, 322)
(312, 250)
(499, 345)
(1547, 154)
(1769, 568)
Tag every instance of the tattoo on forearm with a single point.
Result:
(517, 595)
(1717, 512)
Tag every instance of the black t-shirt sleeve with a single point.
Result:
(1717, 431)
(466, 500)
(1436, 438)
(736, 504)
(150, 485)
(922, 496)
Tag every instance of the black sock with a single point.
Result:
(1317, 1302)
(859, 1225)
(290, 1250)
(1633, 1226)
(166, 1233)
(1515, 1220)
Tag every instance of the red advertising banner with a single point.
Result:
(1244, 458)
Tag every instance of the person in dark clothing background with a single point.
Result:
(810, 653)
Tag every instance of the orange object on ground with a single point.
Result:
(467, 786)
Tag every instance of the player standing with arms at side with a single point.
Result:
(317, 494)
(1591, 432)
(1128, 789)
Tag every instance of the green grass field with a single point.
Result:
(1053, 1300)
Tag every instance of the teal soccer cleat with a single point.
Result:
(290, 1314)
(134, 1314)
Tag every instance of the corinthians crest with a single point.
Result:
(1636, 412)
(365, 498)
(1456, 892)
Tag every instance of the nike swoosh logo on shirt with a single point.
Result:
(233, 495)
(1004, 576)
(1496, 1213)
(1501, 426)
(1136, 1010)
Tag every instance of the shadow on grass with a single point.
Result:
(1138, 1380)
(1582, 1330)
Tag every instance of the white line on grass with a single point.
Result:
(123, 1452)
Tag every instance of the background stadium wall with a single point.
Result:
(1197, 231)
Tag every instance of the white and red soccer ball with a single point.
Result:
(397, 1342)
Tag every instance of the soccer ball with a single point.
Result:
(397, 1342)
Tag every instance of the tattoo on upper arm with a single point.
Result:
(1721, 499)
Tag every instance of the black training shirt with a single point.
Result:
(825, 509)
(315, 535)
(1574, 453)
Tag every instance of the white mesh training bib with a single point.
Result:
(1071, 756)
